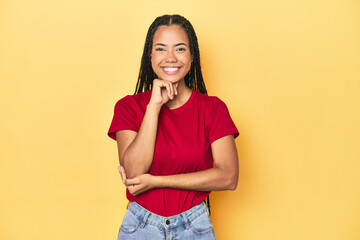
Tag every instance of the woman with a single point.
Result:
(170, 134)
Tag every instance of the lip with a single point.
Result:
(170, 70)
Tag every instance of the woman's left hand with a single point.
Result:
(139, 184)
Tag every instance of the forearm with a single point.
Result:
(138, 156)
(224, 176)
(213, 179)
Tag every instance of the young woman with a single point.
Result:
(175, 143)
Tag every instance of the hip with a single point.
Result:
(139, 223)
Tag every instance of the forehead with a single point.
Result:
(170, 35)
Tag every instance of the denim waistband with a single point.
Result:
(147, 217)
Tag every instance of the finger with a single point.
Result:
(134, 193)
(175, 87)
(135, 190)
(172, 90)
(169, 89)
(157, 85)
(122, 173)
(133, 181)
(132, 190)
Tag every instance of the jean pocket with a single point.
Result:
(130, 223)
(202, 224)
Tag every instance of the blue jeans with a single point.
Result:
(139, 224)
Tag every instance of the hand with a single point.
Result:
(163, 91)
(139, 184)
(122, 173)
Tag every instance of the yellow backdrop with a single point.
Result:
(289, 72)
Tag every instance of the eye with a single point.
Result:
(181, 49)
(159, 49)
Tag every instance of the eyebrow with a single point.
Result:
(162, 44)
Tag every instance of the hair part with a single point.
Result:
(193, 79)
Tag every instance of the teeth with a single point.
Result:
(171, 69)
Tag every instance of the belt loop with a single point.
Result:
(187, 223)
(143, 222)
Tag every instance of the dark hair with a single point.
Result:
(193, 79)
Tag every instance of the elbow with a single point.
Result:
(132, 170)
(129, 171)
(229, 179)
(130, 174)
(232, 186)
(232, 183)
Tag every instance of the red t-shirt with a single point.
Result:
(182, 144)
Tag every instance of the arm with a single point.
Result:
(136, 150)
(223, 176)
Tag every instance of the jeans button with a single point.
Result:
(167, 222)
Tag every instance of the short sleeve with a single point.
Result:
(221, 123)
(124, 118)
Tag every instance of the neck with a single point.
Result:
(181, 98)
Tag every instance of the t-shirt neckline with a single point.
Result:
(182, 106)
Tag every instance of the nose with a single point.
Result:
(170, 57)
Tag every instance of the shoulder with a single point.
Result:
(137, 99)
(212, 107)
(211, 102)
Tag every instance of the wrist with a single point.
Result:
(157, 181)
(153, 107)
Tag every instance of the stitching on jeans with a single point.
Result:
(191, 217)
(133, 230)
(133, 213)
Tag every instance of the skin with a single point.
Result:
(171, 49)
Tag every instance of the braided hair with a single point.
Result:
(193, 79)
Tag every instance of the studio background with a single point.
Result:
(289, 72)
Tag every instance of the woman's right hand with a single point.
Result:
(162, 92)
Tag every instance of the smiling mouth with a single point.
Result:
(171, 70)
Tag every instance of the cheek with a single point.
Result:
(153, 62)
(187, 62)
(186, 59)
(155, 59)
